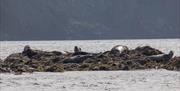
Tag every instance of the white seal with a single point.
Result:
(119, 48)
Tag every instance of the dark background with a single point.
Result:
(89, 19)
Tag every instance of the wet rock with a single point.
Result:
(16, 58)
(174, 64)
(3, 67)
(55, 68)
(17, 63)
(84, 67)
(71, 67)
(126, 67)
(104, 67)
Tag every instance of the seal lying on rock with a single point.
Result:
(118, 58)
(148, 51)
(161, 57)
(119, 48)
(77, 59)
(77, 51)
(28, 51)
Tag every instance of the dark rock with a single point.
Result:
(16, 58)
(104, 67)
(3, 67)
(1, 60)
(55, 68)
(174, 64)
(71, 67)
(84, 67)
(125, 68)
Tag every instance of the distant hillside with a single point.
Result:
(89, 19)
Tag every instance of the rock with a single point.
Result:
(126, 68)
(174, 64)
(104, 67)
(55, 68)
(84, 67)
(17, 63)
(16, 58)
(3, 67)
(71, 67)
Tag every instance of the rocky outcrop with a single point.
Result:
(3, 67)
(118, 58)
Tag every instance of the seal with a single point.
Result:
(28, 51)
(119, 48)
(26, 48)
(161, 57)
(77, 51)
